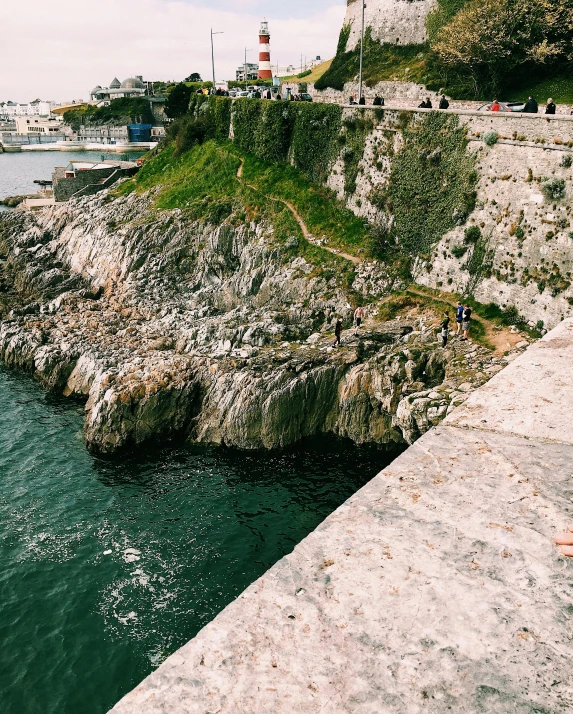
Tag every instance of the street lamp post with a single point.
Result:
(361, 52)
(246, 77)
(213, 54)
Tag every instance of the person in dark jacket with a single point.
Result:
(378, 101)
(337, 333)
(530, 106)
(550, 108)
(445, 327)
(427, 104)
(444, 104)
(362, 101)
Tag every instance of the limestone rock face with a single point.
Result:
(169, 327)
(400, 22)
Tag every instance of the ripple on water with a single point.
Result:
(108, 566)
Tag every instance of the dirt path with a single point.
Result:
(304, 228)
(502, 340)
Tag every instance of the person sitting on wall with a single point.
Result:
(495, 106)
(362, 101)
(351, 100)
(530, 106)
(427, 104)
(378, 101)
(444, 104)
(550, 108)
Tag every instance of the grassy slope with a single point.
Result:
(203, 183)
(316, 74)
(210, 172)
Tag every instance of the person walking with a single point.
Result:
(459, 318)
(444, 104)
(466, 321)
(445, 329)
(358, 317)
(337, 333)
(531, 106)
(550, 108)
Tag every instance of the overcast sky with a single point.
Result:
(61, 49)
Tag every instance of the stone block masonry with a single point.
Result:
(435, 588)
(401, 22)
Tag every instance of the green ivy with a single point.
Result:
(356, 130)
(304, 134)
(432, 182)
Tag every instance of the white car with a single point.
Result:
(242, 94)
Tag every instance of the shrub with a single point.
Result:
(490, 138)
(301, 75)
(519, 233)
(511, 316)
(553, 189)
(458, 251)
(566, 161)
(472, 235)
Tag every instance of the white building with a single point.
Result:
(38, 126)
(36, 108)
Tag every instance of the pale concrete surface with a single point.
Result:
(532, 397)
(435, 588)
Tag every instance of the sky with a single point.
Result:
(60, 50)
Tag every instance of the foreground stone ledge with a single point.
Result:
(435, 588)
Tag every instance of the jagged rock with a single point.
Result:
(175, 328)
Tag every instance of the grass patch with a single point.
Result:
(203, 183)
(314, 76)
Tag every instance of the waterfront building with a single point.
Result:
(36, 108)
(130, 87)
(38, 126)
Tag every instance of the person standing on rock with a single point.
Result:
(445, 329)
(466, 321)
(337, 333)
(358, 317)
(459, 318)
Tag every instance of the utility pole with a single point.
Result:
(213, 54)
(246, 76)
(361, 52)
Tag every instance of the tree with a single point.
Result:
(488, 39)
(194, 77)
(178, 101)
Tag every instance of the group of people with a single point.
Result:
(378, 101)
(357, 320)
(463, 320)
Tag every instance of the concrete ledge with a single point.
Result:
(435, 588)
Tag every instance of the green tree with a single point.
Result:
(178, 101)
(194, 77)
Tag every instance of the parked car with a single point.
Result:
(243, 93)
(305, 97)
(504, 107)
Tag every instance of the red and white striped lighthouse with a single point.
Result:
(265, 71)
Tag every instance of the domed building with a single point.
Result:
(130, 87)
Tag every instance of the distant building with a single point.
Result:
(34, 126)
(36, 108)
(86, 178)
(130, 87)
(252, 72)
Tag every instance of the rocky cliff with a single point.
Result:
(173, 327)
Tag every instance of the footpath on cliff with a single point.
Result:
(185, 305)
(437, 587)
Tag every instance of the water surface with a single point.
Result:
(108, 566)
(18, 171)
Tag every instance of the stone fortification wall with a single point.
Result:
(399, 22)
(527, 237)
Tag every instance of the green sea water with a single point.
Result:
(108, 566)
